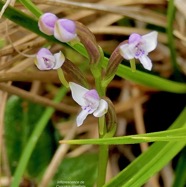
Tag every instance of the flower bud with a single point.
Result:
(46, 23)
(45, 60)
(89, 41)
(75, 73)
(111, 119)
(65, 30)
(113, 63)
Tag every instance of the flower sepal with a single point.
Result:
(89, 41)
(111, 119)
(113, 63)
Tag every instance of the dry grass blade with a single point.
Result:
(130, 11)
(28, 76)
(36, 99)
(118, 30)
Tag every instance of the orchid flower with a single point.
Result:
(65, 30)
(138, 47)
(89, 101)
(45, 60)
(46, 23)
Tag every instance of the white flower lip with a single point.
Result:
(138, 47)
(89, 101)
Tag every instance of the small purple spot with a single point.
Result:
(47, 62)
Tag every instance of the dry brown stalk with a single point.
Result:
(37, 99)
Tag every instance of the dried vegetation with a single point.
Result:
(19, 76)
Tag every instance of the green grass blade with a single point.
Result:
(27, 152)
(170, 22)
(155, 160)
(151, 80)
(151, 161)
(168, 135)
(180, 175)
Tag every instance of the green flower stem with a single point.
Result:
(103, 149)
(34, 138)
(96, 72)
(102, 164)
(102, 129)
(99, 87)
(103, 154)
(62, 77)
(133, 65)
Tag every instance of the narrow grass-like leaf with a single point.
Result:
(125, 72)
(168, 135)
(170, 22)
(20, 120)
(151, 161)
(151, 80)
(33, 139)
(180, 175)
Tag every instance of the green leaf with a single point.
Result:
(180, 175)
(20, 120)
(151, 161)
(34, 137)
(150, 80)
(13, 131)
(46, 144)
(77, 171)
(168, 135)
